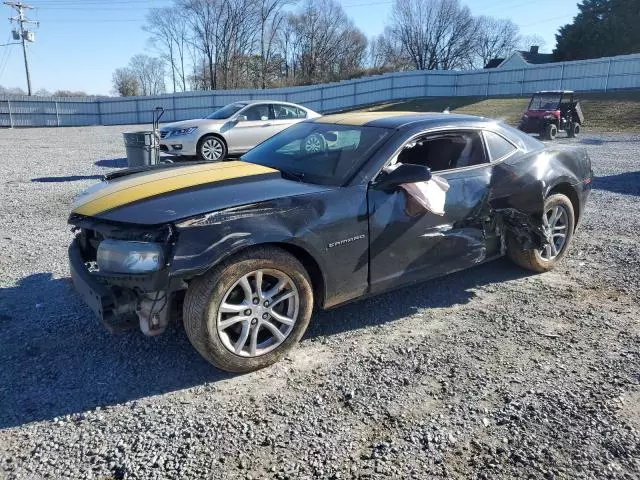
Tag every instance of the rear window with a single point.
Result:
(498, 146)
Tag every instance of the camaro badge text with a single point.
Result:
(345, 241)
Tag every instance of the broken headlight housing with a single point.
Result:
(120, 256)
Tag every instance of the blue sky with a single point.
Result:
(81, 42)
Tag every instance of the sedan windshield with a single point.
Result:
(321, 153)
(226, 112)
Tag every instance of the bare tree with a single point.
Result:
(525, 42)
(149, 72)
(329, 46)
(435, 34)
(271, 17)
(388, 54)
(169, 34)
(125, 83)
(495, 39)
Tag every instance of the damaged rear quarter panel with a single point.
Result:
(330, 226)
(520, 185)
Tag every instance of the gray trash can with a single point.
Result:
(141, 148)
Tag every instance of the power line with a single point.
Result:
(22, 34)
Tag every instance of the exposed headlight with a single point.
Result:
(183, 131)
(119, 256)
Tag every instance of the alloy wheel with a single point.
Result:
(258, 313)
(556, 226)
(212, 149)
(313, 144)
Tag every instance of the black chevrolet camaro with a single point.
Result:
(318, 215)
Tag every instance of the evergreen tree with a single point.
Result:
(603, 28)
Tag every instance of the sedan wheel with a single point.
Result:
(250, 310)
(212, 149)
(314, 143)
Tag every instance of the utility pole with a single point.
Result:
(22, 34)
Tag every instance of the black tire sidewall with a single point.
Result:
(222, 142)
(216, 284)
(551, 201)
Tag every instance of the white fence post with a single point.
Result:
(10, 114)
(426, 83)
(488, 83)
(57, 113)
(606, 82)
(522, 84)
(99, 111)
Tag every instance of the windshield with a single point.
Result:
(547, 101)
(226, 112)
(321, 153)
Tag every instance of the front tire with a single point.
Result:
(212, 149)
(559, 221)
(250, 310)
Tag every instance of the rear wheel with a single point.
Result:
(550, 132)
(249, 311)
(574, 131)
(212, 149)
(559, 223)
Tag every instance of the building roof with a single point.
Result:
(494, 63)
(536, 58)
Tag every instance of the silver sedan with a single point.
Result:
(232, 130)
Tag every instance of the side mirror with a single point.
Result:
(403, 173)
(241, 118)
(330, 136)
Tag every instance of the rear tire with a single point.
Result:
(550, 132)
(251, 343)
(539, 260)
(574, 131)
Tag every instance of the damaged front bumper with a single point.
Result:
(123, 301)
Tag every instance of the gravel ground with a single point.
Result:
(489, 373)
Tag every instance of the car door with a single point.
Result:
(258, 126)
(409, 244)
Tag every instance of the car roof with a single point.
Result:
(282, 102)
(555, 91)
(397, 120)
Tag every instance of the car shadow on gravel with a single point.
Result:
(627, 183)
(57, 360)
(454, 289)
(71, 178)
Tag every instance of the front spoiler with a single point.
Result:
(98, 297)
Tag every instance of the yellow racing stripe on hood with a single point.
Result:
(118, 192)
(359, 118)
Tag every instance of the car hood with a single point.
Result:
(164, 195)
(198, 122)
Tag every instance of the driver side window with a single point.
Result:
(445, 151)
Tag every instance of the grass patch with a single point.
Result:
(604, 112)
